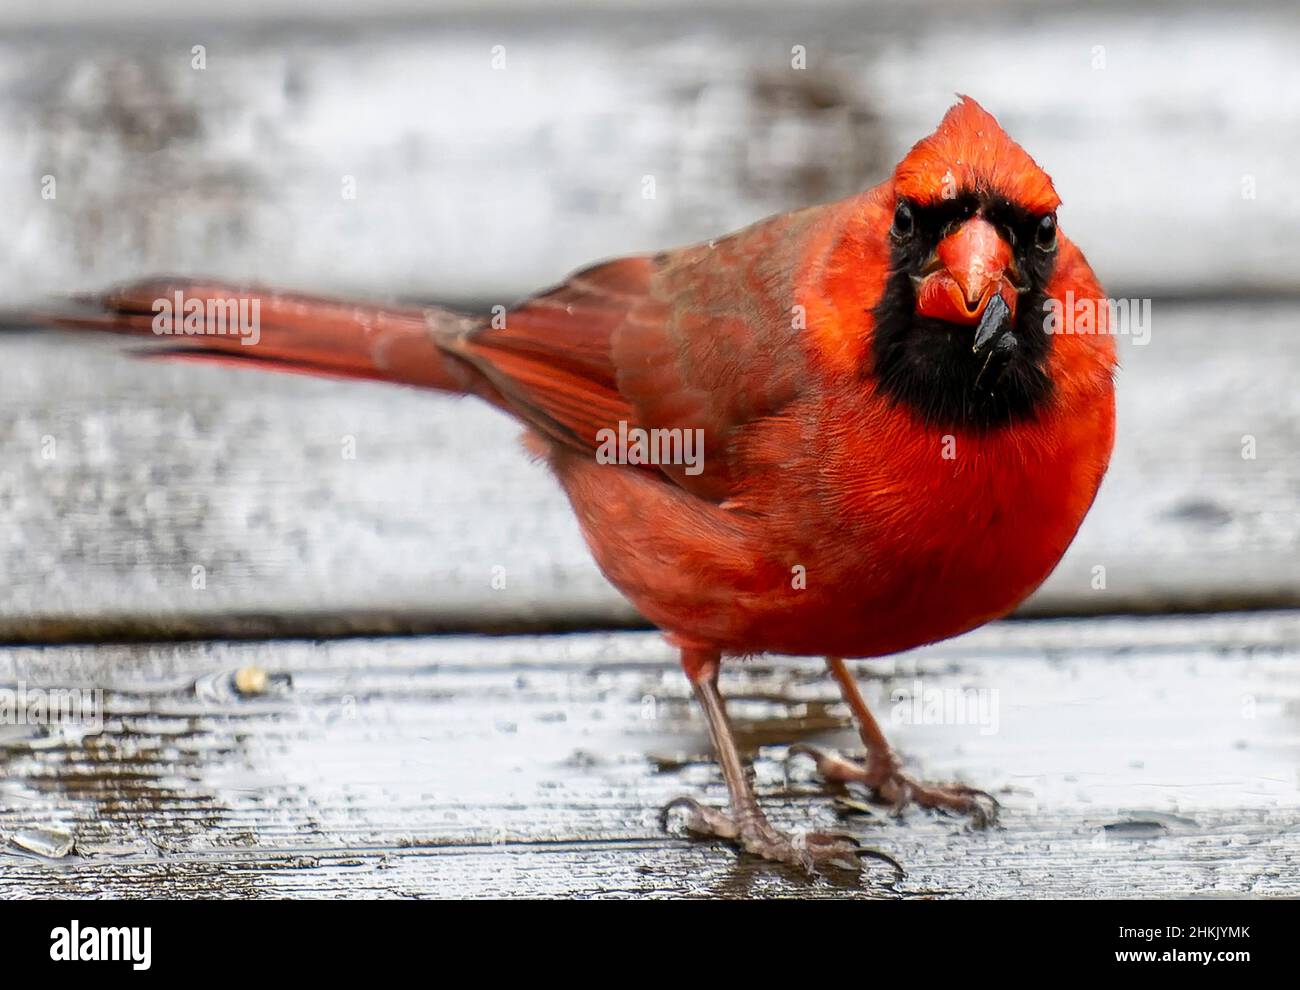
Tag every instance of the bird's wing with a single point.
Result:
(702, 338)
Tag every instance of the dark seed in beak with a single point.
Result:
(995, 321)
(993, 338)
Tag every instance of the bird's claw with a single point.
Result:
(890, 786)
(753, 834)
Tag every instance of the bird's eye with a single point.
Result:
(1045, 235)
(904, 222)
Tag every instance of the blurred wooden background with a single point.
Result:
(491, 150)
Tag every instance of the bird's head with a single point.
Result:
(972, 244)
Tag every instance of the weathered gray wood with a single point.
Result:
(482, 183)
(119, 477)
(1133, 757)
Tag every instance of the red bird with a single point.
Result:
(895, 447)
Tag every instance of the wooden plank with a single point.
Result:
(1133, 757)
(482, 183)
(118, 478)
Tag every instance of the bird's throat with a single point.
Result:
(955, 375)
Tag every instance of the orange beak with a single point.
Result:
(966, 270)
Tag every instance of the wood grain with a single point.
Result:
(1133, 757)
(119, 477)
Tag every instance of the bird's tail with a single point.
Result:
(281, 331)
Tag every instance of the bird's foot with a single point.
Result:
(753, 833)
(889, 785)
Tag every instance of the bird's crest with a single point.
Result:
(970, 152)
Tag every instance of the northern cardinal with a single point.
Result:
(895, 447)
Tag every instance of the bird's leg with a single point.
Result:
(882, 772)
(745, 825)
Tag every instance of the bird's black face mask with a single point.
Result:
(959, 333)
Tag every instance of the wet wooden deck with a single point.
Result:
(1133, 757)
